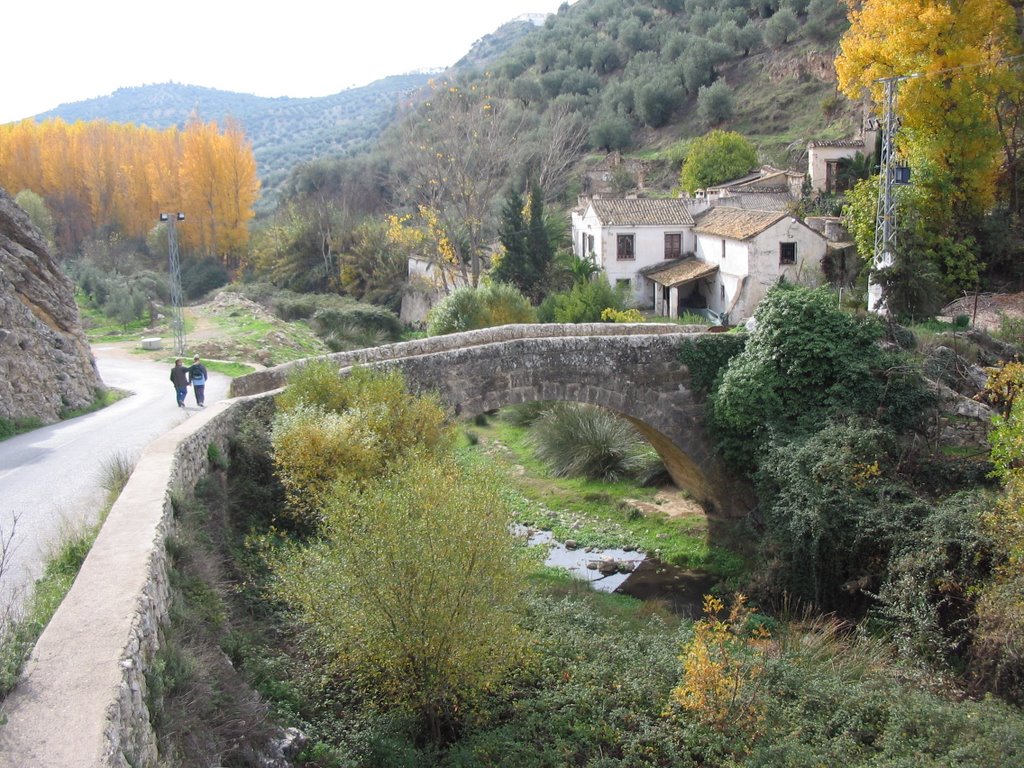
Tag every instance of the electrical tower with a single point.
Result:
(885, 210)
(174, 268)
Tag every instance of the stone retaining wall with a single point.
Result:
(81, 701)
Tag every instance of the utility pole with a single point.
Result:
(174, 268)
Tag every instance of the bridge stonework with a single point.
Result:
(631, 369)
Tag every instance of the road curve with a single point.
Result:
(50, 477)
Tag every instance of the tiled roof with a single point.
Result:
(837, 143)
(679, 271)
(761, 201)
(626, 212)
(735, 223)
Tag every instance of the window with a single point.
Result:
(624, 247)
(787, 253)
(624, 284)
(723, 247)
(833, 177)
(673, 246)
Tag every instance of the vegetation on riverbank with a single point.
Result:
(606, 680)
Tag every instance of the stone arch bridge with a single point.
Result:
(631, 369)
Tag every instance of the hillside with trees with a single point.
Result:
(348, 572)
(284, 132)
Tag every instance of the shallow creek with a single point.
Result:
(625, 572)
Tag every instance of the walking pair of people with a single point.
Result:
(194, 376)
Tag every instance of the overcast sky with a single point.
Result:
(61, 51)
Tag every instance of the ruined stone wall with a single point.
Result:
(46, 365)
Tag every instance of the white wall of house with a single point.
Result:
(648, 250)
(425, 290)
(750, 267)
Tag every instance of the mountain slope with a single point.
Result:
(284, 131)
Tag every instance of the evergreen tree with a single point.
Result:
(538, 245)
(514, 267)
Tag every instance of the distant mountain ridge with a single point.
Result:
(284, 131)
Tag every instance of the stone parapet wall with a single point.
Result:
(82, 699)
(275, 378)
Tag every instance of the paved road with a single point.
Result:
(50, 478)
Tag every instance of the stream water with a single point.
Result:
(626, 572)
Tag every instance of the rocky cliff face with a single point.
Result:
(45, 362)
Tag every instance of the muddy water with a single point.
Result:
(681, 591)
(626, 572)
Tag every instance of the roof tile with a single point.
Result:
(735, 223)
(642, 211)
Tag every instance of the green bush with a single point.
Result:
(806, 362)
(201, 276)
(582, 441)
(295, 306)
(355, 319)
(834, 512)
(927, 601)
(708, 355)
(489, 305)
(584, 303)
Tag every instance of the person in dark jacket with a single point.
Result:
(179, 378)
(197, 378)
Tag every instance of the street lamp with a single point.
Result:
(174, 267)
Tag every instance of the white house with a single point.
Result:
(625, 236)
(752, 251)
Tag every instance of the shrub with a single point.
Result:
(805, 362)
(200, 277)
(582, 441)
(610, 315)
(834, 512)
(467, 309)
(584, 303)
(295, 306)
(724, 668)
(927, 601)
(332, 428)
(708, 355)
(364, 318)
(413, 587)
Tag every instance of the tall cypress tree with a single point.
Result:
(538, 246)
(515, 267)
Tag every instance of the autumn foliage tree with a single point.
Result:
(97, 176)
(955, 54)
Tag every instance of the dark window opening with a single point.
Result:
(624, 247)
(787, 253)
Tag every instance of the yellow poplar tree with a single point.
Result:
(99, 174)
(957, 51)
